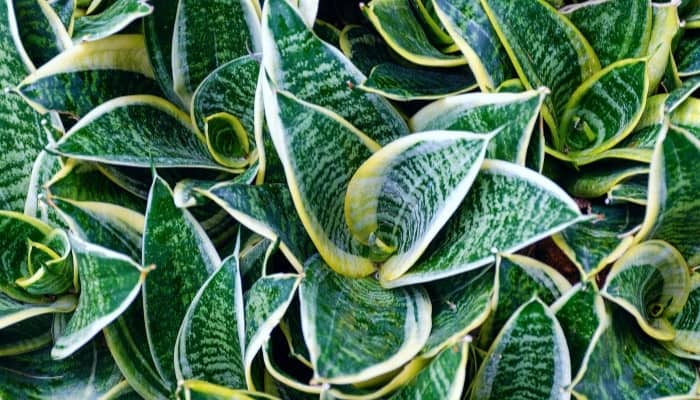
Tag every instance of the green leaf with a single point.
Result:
(365, 48)
(363, 331)
(688, 55)
(399, 199)
(605, 108)
(158, 29)
(210, 340)
(673, 207)
(109, 283)
(65, 9)
(13, 312)
(443, 378)
(397, 24)
(137, 131)
(267, 210)
(528, 359)
(593, 245)
(320, 152)
(266, 302)
(402, 83)
(632, 191)
(50, 265)
(664, 28)
(427, 15)
(40, 30)
(327, 32)
(22, 137)
(330, 83)
(276, 359)
(598, 179)
(112, 20)
(89, 74)
(508, 208)
(184, 257)
(555, 55)
(201, 390)
(626, 364)
(651, 282)
(480, 112)
(460, 305)
(583, 318)
(687, 325)
(89, 373)
(17, 232)
(615, 29)
(471, 30)
(26, 336)
(208, 35)
(229, 89)
(679, 96)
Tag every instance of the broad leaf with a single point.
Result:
(673, 207)
(651, 282)
(593, 245)
(208, 35)
(110, 21)
(109, 283)
(320, 152)
(403, 83)
(596, 180)
(184, 257)
(89, 74)
(400, 198)
(211, 338)
(615, 29)
(396, 22)
(605, 108)
(41, 31)
(626, 364)
(346, 342)
(331, 84)
(137, 131)
(26, 336)
(472, 32)
(555, 55)
(507, 208)
(480, 112)
(529, 358)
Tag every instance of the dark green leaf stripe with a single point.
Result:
(594, 244)
(41, 32)
(651, 282)
(633, 191)
(88, 74)
(615, 29)
(210, 341)
(269, 211)
(397, 23)
(582, 315)
(156, 134)
(626, 364)
(22, 137)
(554, 55)
(678, 96)
(483, 224)
(365, 48)
(605, 108)
(673, 208)
(399, 199)
(89, 373)
(688, 55)
(109, 283)
(471, 30)
(110, 21)
(208, 35)
(519, 279)
(265, 303)
(320, 152)
(460, 305)
(290, 48)
(402, 83)
(443, 378)
(480, 112)
(427, 15)
(528, 359)
(687, 325)
(363, 331)
(158, 29)
(598, 179)
(184, 257)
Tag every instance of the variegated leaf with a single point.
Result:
(596, 180)
(365, 48)
(41, 31)
(403, 83)
(687, 325)
(201, 390)
(110, 21)
(14, 312)
(664, 27)
(158, 29)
